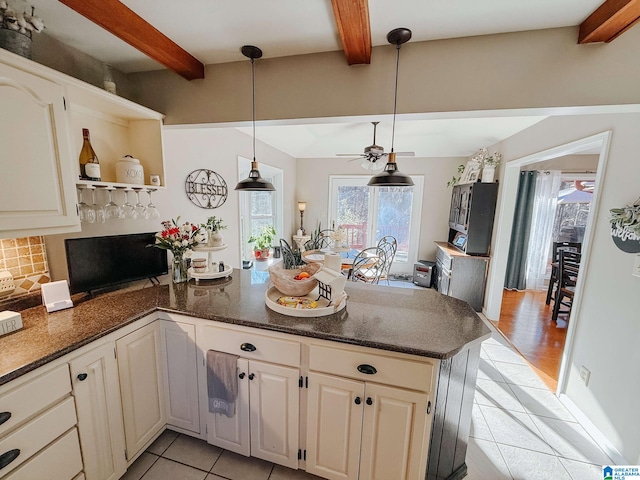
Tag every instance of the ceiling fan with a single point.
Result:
(372, 154)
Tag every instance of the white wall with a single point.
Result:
(312, 186)
(186, 150)
(607, 324)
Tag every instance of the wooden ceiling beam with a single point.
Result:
(352, 18)
(610, 20)
(124, 23)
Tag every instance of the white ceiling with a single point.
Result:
(427, 138)
(213, 31)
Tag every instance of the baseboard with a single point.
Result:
(602, 441)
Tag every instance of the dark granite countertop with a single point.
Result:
(415, 321)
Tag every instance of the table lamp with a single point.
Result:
(301, 208)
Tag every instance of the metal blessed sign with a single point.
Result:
(205, 188)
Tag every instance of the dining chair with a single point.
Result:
(290, 258)
(556, 249)
(322, 240)
(389, 244)
(568, 270)
(368, 265)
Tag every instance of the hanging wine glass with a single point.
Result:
(151, 212)
(87, 215)
(139, 207)
(112, 210)
(128, 210)
(98, 210)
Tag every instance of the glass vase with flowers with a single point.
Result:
(179, 239)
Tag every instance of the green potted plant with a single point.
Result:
(262, 242)
(213, 227)
(488, 163)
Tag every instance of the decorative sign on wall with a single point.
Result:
(205, 188)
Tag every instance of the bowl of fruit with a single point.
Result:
(294, 282)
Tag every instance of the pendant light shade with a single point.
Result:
(391, 176)
(254, 182)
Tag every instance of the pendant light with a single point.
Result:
(391, 176)
(254, 182)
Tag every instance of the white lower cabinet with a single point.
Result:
(141, 386)
(364, 430)
(266, 421)
(179, 354)
(97, 392)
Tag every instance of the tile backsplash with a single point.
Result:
(26, 259)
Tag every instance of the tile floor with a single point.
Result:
(520, 431)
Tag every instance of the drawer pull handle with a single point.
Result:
(251, 375)
(248, 347)
(241, 376)
(4, 416)
(8, 457)
(369, 401)
(358, 401)
(82, 377)
(367, 369)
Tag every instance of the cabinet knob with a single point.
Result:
(8, 457)
(369, 401)
(241, 376)
(358, 401)
(4, 416)
(248, 347)
(367, 369)
(251, 375)
(82, 376)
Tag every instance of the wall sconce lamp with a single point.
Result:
(301, 207)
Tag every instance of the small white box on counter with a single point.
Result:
(10, 322)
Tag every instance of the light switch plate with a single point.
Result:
(636, 266)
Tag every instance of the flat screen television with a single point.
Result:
(98, 262)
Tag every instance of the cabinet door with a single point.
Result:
(462, 222)
(180, 374)
(37, 188)
(233, 433)
(393, 433)
(139, 364)
(274, 401)
(334, 424)
(94, 376)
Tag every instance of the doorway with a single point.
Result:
(595, 145)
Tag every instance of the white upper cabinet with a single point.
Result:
(41, 120)
(37, 191)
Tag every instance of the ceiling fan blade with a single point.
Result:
(356, 158)
(348, 155)
(405, 154)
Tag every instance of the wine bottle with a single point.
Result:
(89, 164)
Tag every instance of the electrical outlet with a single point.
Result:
(7, 286)
(636, 266)
(584, 375)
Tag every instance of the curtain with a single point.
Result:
(544, 212)
(520, 232)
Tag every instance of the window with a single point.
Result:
(367, 214)
(258, 209)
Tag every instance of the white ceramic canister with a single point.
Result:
(129, 170)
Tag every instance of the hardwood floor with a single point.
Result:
(526, 322)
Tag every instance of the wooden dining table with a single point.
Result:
(317, 256)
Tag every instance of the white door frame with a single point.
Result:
(500, 252)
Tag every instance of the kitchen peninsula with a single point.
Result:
(416, 354)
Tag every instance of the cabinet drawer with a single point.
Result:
(32, 397)
(388, 371)
(59, 461)
(38, 433)
(240, 342)
(443, 258)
